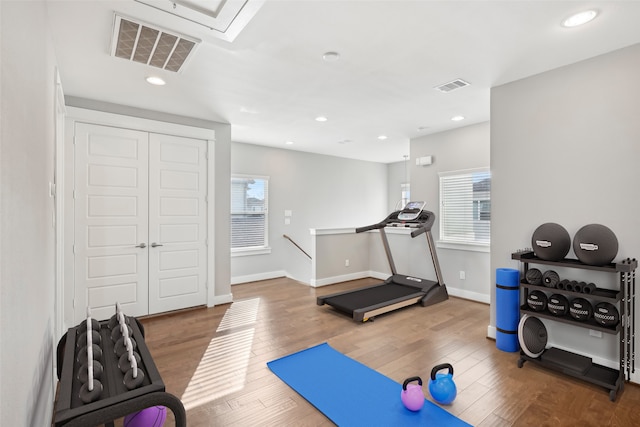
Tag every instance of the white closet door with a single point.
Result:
(111, 221)
(177, 223)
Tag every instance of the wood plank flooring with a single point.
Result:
(215, 359)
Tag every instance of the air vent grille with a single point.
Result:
(452, 85)
(150, 45)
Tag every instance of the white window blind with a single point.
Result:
(249, 210)
(465, 206)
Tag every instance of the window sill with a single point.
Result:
(250, 251)
(472, 247)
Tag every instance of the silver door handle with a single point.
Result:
(141, 245)
(155, 245)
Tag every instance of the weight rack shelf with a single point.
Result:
(596, 374)
(601, 294)
(624, 298)
(591, 324)
(116, 400)
(529, 257)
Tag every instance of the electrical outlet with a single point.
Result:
(462, 275)
(346, 263)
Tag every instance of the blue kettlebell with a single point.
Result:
(441, 386)
(411, 395)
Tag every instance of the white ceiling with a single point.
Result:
(270, 81)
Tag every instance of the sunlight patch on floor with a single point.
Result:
(241, 313)
(223, 367)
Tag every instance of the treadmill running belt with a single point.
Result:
(371, 296)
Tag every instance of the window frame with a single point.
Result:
(445, 239)
(257, 249)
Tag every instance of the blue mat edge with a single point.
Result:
(283, 380)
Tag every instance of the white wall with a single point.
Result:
(27, 234)
(338, 256)
(398, 174)
(459, 149)
(321, 191)
(565, 147)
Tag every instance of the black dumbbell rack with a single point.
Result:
(116, 401)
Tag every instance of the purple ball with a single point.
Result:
(153, 416)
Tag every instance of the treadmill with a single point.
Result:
(398, 290)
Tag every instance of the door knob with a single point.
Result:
(141, 245)
(155, 245)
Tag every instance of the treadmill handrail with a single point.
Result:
(423, 225)
(418, 231)
(371, 227)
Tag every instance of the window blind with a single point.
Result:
(465, 206)
(249, 210)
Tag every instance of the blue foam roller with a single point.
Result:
(507, 309)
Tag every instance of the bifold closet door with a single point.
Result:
(111, 221)
(177, 222)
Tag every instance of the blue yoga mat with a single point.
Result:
(352, 394)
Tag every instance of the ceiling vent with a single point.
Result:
(453, 85)
(151, 45)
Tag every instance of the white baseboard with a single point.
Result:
(337, 279)
(257, 277)
(221, 299)
(491, 332)
(473, 296)
(304, 282)
(378, 275)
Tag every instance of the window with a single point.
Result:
(249, 213)
(405, 190)
(465, 206)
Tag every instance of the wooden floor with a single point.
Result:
(215, 359)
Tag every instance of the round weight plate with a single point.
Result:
(532, 336)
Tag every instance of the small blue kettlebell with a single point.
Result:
(441, 386)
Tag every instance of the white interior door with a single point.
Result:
(111, 221)
(177, 222)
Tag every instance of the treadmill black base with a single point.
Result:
(396, 292)
(436, 294)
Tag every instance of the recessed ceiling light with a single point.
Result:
(457, 118)
(382, 137)
(248, 110)
(331, 56)
(579, 18)
(321, 119)
(289, 142)
(157, 81)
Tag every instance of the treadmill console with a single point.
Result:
(411, 211)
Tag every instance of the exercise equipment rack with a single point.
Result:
(576, 365)
(116, 400)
